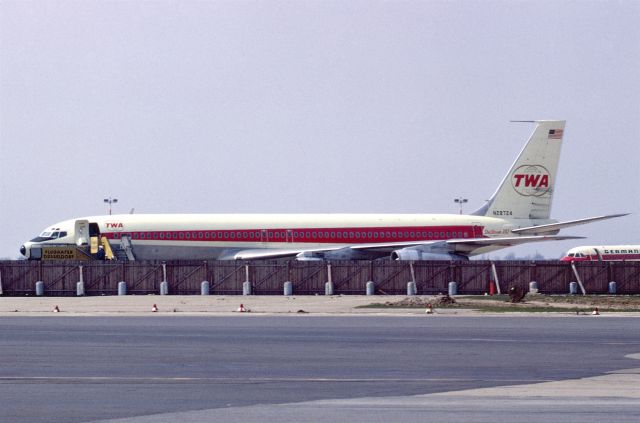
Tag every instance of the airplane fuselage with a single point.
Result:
(603, 253)
(221, 236)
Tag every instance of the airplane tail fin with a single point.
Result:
(527, 189)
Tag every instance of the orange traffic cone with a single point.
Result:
(241, 308)
(154, 308)
(429, 309)
(56, 309)
(595, 312)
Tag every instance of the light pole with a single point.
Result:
(460, 201)
(110, 201)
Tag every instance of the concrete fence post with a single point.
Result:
(39, 288)
(80, 289)
(328, 288)
(80, 284)
(371, 288)
(246, 285)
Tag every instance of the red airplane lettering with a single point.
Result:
(115, 225)
(532, 180)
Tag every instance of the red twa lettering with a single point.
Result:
(536, 181)
(544, 182)
(531, 180)
(114, 225)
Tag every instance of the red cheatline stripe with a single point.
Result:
(309, 235)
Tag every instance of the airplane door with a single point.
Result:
(477, 230)
(82, 232)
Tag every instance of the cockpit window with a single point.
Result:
(572, 255)
(41, 238)
(48, 235)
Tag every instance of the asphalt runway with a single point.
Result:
(315, 368)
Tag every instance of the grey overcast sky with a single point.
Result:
(313, 106)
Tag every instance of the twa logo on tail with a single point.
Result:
(531, 180)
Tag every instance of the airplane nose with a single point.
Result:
(23, 250)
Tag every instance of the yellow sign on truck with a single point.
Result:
(62, 253)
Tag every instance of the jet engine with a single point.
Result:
(417, 253)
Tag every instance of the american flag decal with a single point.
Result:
(555, 134)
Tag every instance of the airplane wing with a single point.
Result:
(461, 246)
(554, 227)
(468, 245)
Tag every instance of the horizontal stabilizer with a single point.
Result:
(554, 227)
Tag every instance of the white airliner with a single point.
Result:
(603, 253)
(517, 213)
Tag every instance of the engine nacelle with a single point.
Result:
(415, 254)
(309, 256)
(341, 254)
